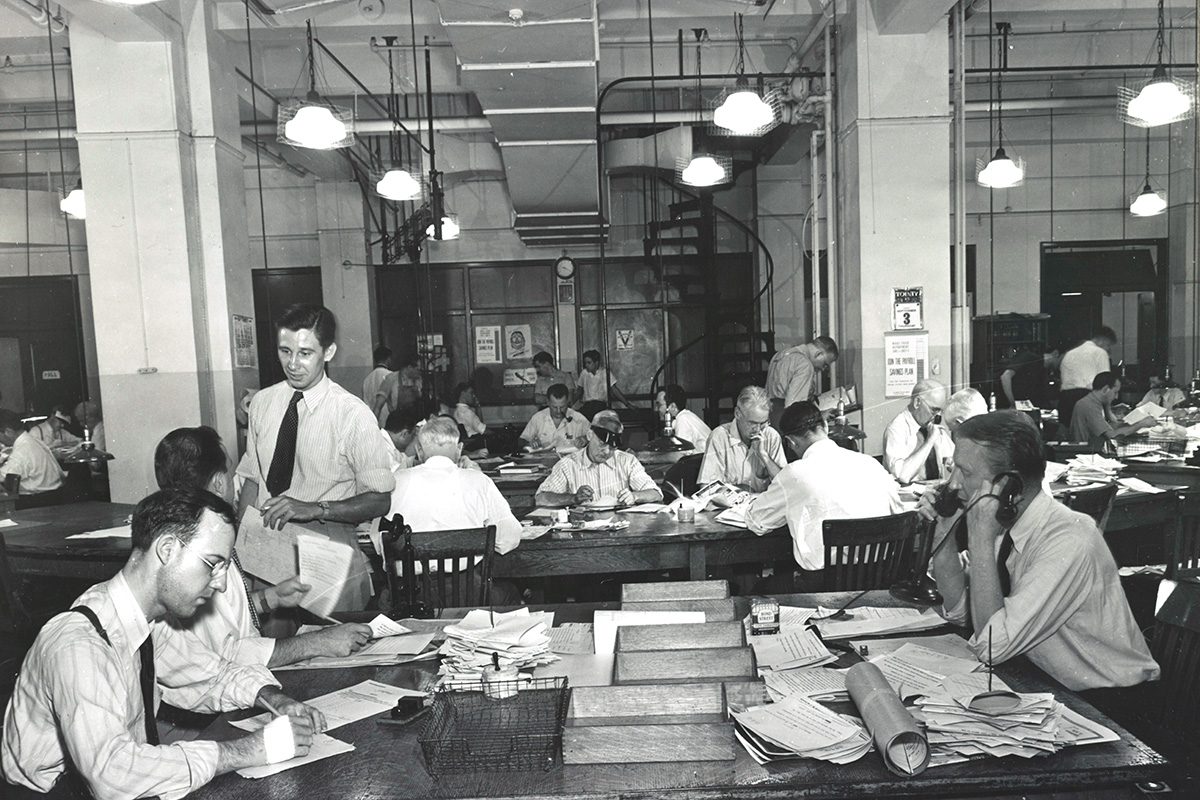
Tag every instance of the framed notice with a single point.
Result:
(516, 338)
(908, 307)
(906, 361)
(487, 345)
(245, 354)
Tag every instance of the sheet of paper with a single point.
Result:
(646, 508)
(344, 706)
(933, 660)
(268, 554)
(950, 644)
(1143, 411)
(866, 620)
(607, 622)
(818, 682)
(323, 746)
(581, 669)
(383, 626)
(798, 723)
(1139, 485)
(119, 532)
(8, 523)
(572, 637)
(325, 565)
(795, 648)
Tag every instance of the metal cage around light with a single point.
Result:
(704, 169)
(332, 125)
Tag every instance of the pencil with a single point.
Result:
(271, 708)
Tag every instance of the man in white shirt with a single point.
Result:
(547, 376)
(792, 373)
(465, 412)
(1079, 367)
(825, 482)
(746, 452)
(371, 383)
(557, 425)
(915, 445)
(597, 381)
(962, 405)
(600, 470)
(672, 400)
(30, 460)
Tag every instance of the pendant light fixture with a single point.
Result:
(1160, 100)
(1148, 203)
(1001, 171)
(702, 169)
(395, 183)
(73, 204)
(312, 122)
(745, 111)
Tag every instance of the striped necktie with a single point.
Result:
(279, 477)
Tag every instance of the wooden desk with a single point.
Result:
(388, 762)
(38, 545)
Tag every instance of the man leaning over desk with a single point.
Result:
(746, 452)
(599, 470)
(1041, 581)
(557, 425)
(313, 450)
(81, 717)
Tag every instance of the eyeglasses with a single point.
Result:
(606, 436)
(214, 570)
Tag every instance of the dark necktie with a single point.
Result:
(279, 478)
(1006, 547)
(147, 653)
(933, 467)
(249, 597)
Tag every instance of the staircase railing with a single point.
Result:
(749, 304)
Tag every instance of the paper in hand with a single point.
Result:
(325, 565)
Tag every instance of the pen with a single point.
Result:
(324, 618)
(271, 707)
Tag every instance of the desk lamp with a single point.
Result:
(668, 442)
(88, 453)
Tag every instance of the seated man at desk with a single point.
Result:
(826, 481)
(962, 405)
(673, 400)
(228, 624)
(1093, 415)
(466, 410)
(548, 375)
(82, 711)
(746, 452)
(914, 443)
(53, 432)
(557, 425)
(1041, 580)
(599, 470)
(30, 459)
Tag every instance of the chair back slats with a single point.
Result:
(1176, 648)
(1182, 541)
(12, 595)
(867, 553)
(438, 569)
(1097, 503)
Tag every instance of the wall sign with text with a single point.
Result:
(906, 359)
(907, 309)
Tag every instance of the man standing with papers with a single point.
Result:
(1041, 581)
(81, 715)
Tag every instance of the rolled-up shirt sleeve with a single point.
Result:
(639, 479)
(202, 680)
(557, 481)
(367, 454)
(768, 511)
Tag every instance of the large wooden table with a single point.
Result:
(388, 762)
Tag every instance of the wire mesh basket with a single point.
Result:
(1150, 444)
(514, 726)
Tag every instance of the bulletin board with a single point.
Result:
(536, 329)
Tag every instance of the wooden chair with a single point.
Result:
(1097, 502)
(684, 474)
(425, 569)
(1182, 543)
(868, 553)
(12, 484)
(1176, 648)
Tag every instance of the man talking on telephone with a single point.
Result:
(1041, 581)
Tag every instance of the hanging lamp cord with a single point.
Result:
(312, 73)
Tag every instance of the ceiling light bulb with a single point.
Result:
(396, 184)
(1159, 102)
(1001, 172)
(1148, 204)
(449, 229)
(703, 171)
(73, 204)
(316, 127)
(743, 113)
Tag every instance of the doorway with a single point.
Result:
(275, 290)
(41, 344)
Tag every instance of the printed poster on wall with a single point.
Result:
(906, 359)
(517, 339)
(526, 376)
(487, 344)
(245, 354)
(908, 309)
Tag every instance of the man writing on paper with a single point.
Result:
(915, 443)
(600, 470)
(228, 624)
(746, 452)
(557, 425)
(792, 373)
(82, 712)
(30, 459)
(1093, 415)
(1041, 580)
(825, 482)
(313, 450)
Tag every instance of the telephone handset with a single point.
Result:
(1008, 497)
(946, 501)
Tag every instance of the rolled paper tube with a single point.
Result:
(500, 683)
(899, 738)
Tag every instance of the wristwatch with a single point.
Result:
(324, 504)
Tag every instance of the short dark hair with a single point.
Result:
(558, 391)
(189, 457)
(460, 388)
(673, 393)
(828, 345)
(175, 512)
(381, 354)
(594, 355)
(405, 418)
(1103, 380)
(10, 421)
(542, 357)
(1106, 333)
(306, 316)
(800, 418)
(1012, 440)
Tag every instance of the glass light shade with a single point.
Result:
(315, 127)
(1001, 172)
(73, 204)
(397, 184)
(1159, 103)
(1148, 204)
(703, 171)
(743, 113)
(449, 229)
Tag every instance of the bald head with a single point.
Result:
(928, 399)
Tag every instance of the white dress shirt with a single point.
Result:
(372, 382)
(620, 471)
(542, 432)
(1081, 364)
(465, 415)
(691, 428)
(901, 439)
(791, 375)
(727, 458)
(828, 482)
(595, 387)
(32, 460)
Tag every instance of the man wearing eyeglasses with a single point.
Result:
(81, 718)
(915, 444)
(601, 471)
(748, 451)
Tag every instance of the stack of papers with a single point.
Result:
(790, 650)
(735, 515)
(819, 683)
(867, 621)
(1090, 467)
(519, 639)
(965, 719)
(913, 669)
(800, 727)
(391, 643)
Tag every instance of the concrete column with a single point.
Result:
(894, 134)
(348, 290)
(162, 168)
